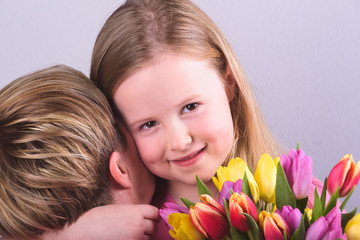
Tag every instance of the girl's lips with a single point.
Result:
(190, 159)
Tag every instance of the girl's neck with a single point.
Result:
(190, 191)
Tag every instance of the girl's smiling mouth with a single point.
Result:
(189, 159)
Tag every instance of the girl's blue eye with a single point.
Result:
(148, 125)
(190, 107)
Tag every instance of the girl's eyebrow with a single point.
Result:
(189, 100)
(136, 123)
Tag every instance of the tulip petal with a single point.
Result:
(170, 208)
(234, 171)
(291, 216)
(271, 231)
(196, 222)
(351, 179)
(265, 176)
(333, 234)
(317, 229)
(352, 228)
(211, 220)
(238, 220)
(241, 203)
(183, 229)
(337, 175)
(280, 222)
(285, 163)
(209, 200)
(226, 191)
(238, 186)
(294, 220)
(303, 172)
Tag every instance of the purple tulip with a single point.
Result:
(326, 228)
(227, 186)
(170, 208)
(298, 169)
(291, 216)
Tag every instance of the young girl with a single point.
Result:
(174, 79)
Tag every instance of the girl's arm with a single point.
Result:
(115, 221)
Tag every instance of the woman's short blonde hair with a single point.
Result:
(140, 30)
(57, 133)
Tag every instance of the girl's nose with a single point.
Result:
(178, 137)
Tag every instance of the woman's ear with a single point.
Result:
(118, 170)
(230, 83)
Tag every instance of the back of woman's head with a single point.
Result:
(141, 30)
(57, 133)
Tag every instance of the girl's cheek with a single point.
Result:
(149, 150)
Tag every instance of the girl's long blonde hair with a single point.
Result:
(140, 30)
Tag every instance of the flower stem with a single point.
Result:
(251, 237)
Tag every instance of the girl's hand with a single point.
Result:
(115, 221)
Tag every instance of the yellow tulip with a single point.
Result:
(309, 212)
(352, 228)
(234, 171)
(265, 176)
(183, 229)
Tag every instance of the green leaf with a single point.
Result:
(187, 202)
(254, 228)
(307, 222)
(298, 146)
(226, 206)
(318, 208)
(236, 235)
(345, 217)
(246, 187)
(202, 188)
(342, 206)
(332, 203)
(323, 194)
(299, 233)
(301, 204)
(283, 192)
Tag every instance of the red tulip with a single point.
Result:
(345, 175)
(241, 203)
(209, 218)
(273, 226)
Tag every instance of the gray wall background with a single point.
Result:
(301, 57)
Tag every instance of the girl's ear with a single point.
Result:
(118, 170)
(230, 81)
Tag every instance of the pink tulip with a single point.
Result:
(326, 228)
(170, 208)
(298, 169)
(345, 175)
(291, 216)
(226, 190)
(273, 226)
(209, 218)
(241, 203)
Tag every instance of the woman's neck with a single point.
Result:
(190, 191)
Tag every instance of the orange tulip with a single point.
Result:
(241, 203)
(273, 226)
(209, 218)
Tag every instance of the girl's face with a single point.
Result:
(178, 113)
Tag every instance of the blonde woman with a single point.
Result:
(61, 156)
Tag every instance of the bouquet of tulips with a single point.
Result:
(282, 200)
